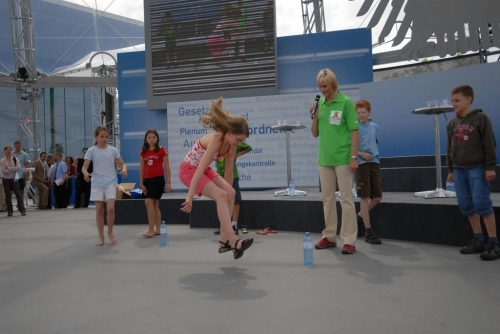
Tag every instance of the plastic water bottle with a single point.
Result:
(450, 186)
(308, 249)
(292, 188)
(163, 234)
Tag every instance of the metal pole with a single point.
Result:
(438, 152)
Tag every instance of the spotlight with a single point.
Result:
(24, 95)
(22, 73)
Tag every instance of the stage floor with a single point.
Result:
(54, 280)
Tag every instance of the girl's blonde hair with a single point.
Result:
(327, 76)
(223, 121)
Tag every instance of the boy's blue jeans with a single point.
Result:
(473, 191)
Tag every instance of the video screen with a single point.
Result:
(209, 48)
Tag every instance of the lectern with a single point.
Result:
(439, 192)
(288, 129)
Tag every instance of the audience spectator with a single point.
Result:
(40, 181)
(25, 162)
(60, 176)
(71, 175)
(82, 193)
(50, 166)
(3, 206)
(10, 166)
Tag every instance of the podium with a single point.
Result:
(439, 192)
(288, 129)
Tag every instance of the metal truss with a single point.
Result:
(99, 108)
(25, 72)
(315, 19)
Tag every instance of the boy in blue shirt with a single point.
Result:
(368, 176)
(471, 160)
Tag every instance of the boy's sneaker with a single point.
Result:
(217, 232)
(235, 229)
(348, 249)
(492, 252)
(473, 247)
(325, 243)
(373, 239)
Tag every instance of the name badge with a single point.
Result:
(335, 117)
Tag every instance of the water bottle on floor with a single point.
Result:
(308, 249)
(292, 187)
(163, 234)
(450, 186)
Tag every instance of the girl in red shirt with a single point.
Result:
(154, 167)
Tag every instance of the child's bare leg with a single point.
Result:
(110, 206)
(489, 222)
(157, 216)
(366, 205)
(99, 218)
(149, 202)
(475, 223)
(222, 196)
(373, 203)
(364, 211)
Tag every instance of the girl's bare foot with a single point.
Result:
(112, 238)
(148, 234)
(100, 242)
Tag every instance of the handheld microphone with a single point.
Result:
(316, 100)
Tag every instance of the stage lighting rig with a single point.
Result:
(22, 73)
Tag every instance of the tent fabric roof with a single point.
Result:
(67, 34)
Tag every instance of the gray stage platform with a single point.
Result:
(54, 280)
(400, 216)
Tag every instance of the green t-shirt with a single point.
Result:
(221, 162)
(168, 30)
(242, 21)
(335, 123)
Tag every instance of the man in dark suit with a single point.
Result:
(40, 182)
(82, 186)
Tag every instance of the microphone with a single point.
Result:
(316, 100)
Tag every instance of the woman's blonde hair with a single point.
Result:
(223, 121)
(327, 76)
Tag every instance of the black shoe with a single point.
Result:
(217, 232)
(361, 226)
(492, 252)
(373, 239)
(235, 229)
(473, 247)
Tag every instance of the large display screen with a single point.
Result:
(209, 48)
